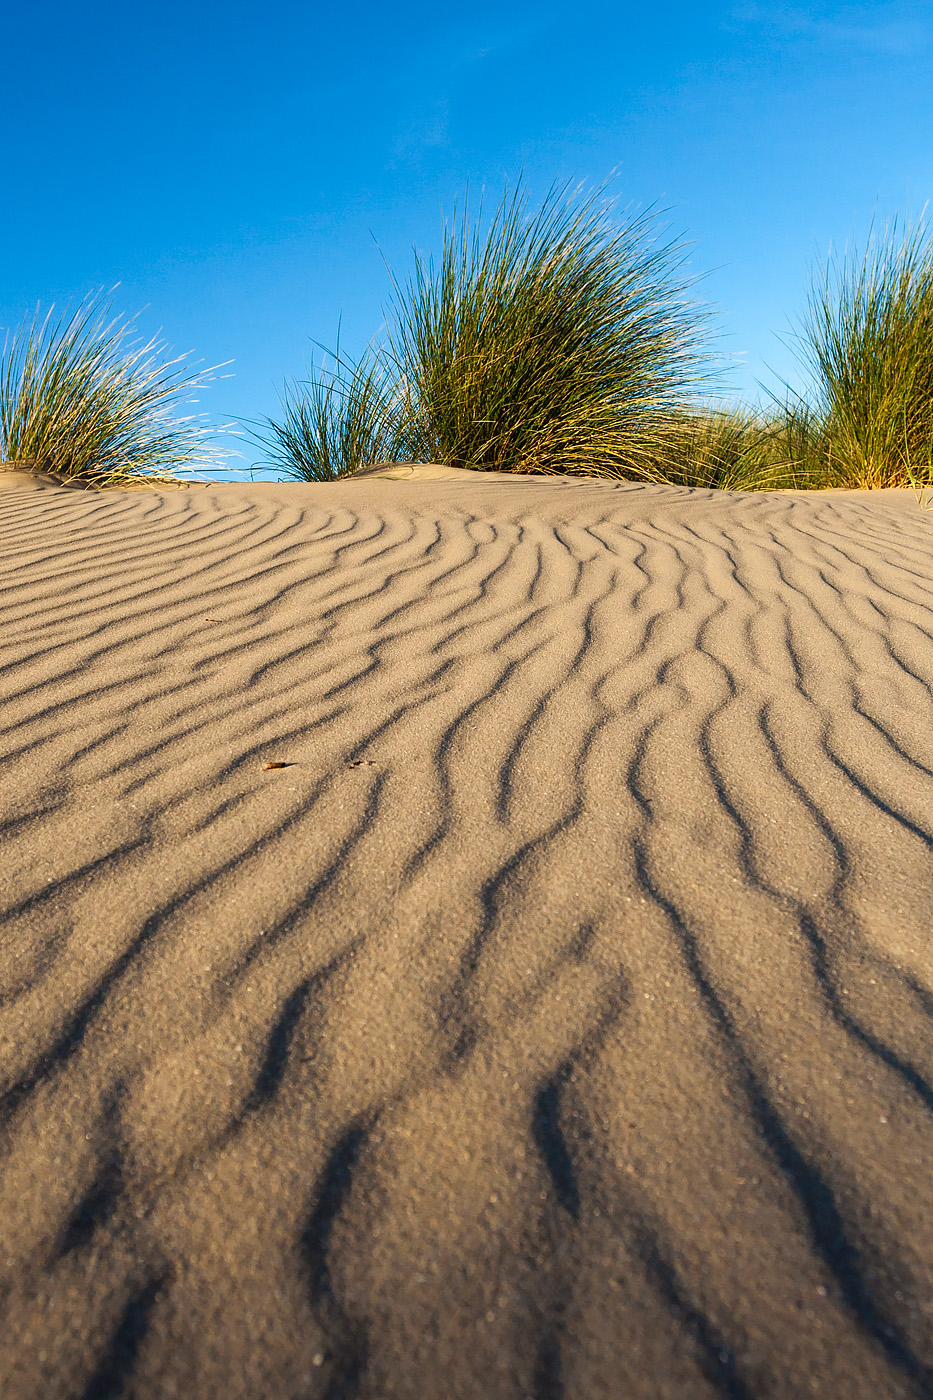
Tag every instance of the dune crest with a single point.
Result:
(466, 942)
(432, 471)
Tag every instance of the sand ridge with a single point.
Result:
(556, 1024)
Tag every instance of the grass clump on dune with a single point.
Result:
(562, 340)
(554, 341)
(337, 420)
(868, 341)
(84, 399)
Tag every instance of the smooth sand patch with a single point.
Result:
(556, 1022)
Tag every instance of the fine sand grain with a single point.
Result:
(551, 1021)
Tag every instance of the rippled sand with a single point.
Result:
(557, 1025)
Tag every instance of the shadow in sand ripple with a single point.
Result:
(833, 1239)
(112, 1374)
(335, 1184)
(552, 1145)
(716, 1360)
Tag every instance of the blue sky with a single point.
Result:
(234, 166)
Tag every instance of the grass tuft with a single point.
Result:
(867, 338)
(83, 398)
(336, 421)
(559, 340)
(562, 339)
(737, 449)
(555, 340)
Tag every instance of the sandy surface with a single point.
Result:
(556, 1026)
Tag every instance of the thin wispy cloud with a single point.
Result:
(452, 57)
(869, 29)
(422, 131)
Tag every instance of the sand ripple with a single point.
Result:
(557, 1025)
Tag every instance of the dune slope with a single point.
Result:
(556, 1025)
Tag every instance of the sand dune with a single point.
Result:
(558, 1024)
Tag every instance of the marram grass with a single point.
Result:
(867, 339)
(336, 421)
(556, 340)
(84, 399)
(736, 449)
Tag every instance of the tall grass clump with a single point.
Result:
(867, 337)
(338, 420)
(84, 398)
(563, 338)
(558, 339)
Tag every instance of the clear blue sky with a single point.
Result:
(230, 165)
